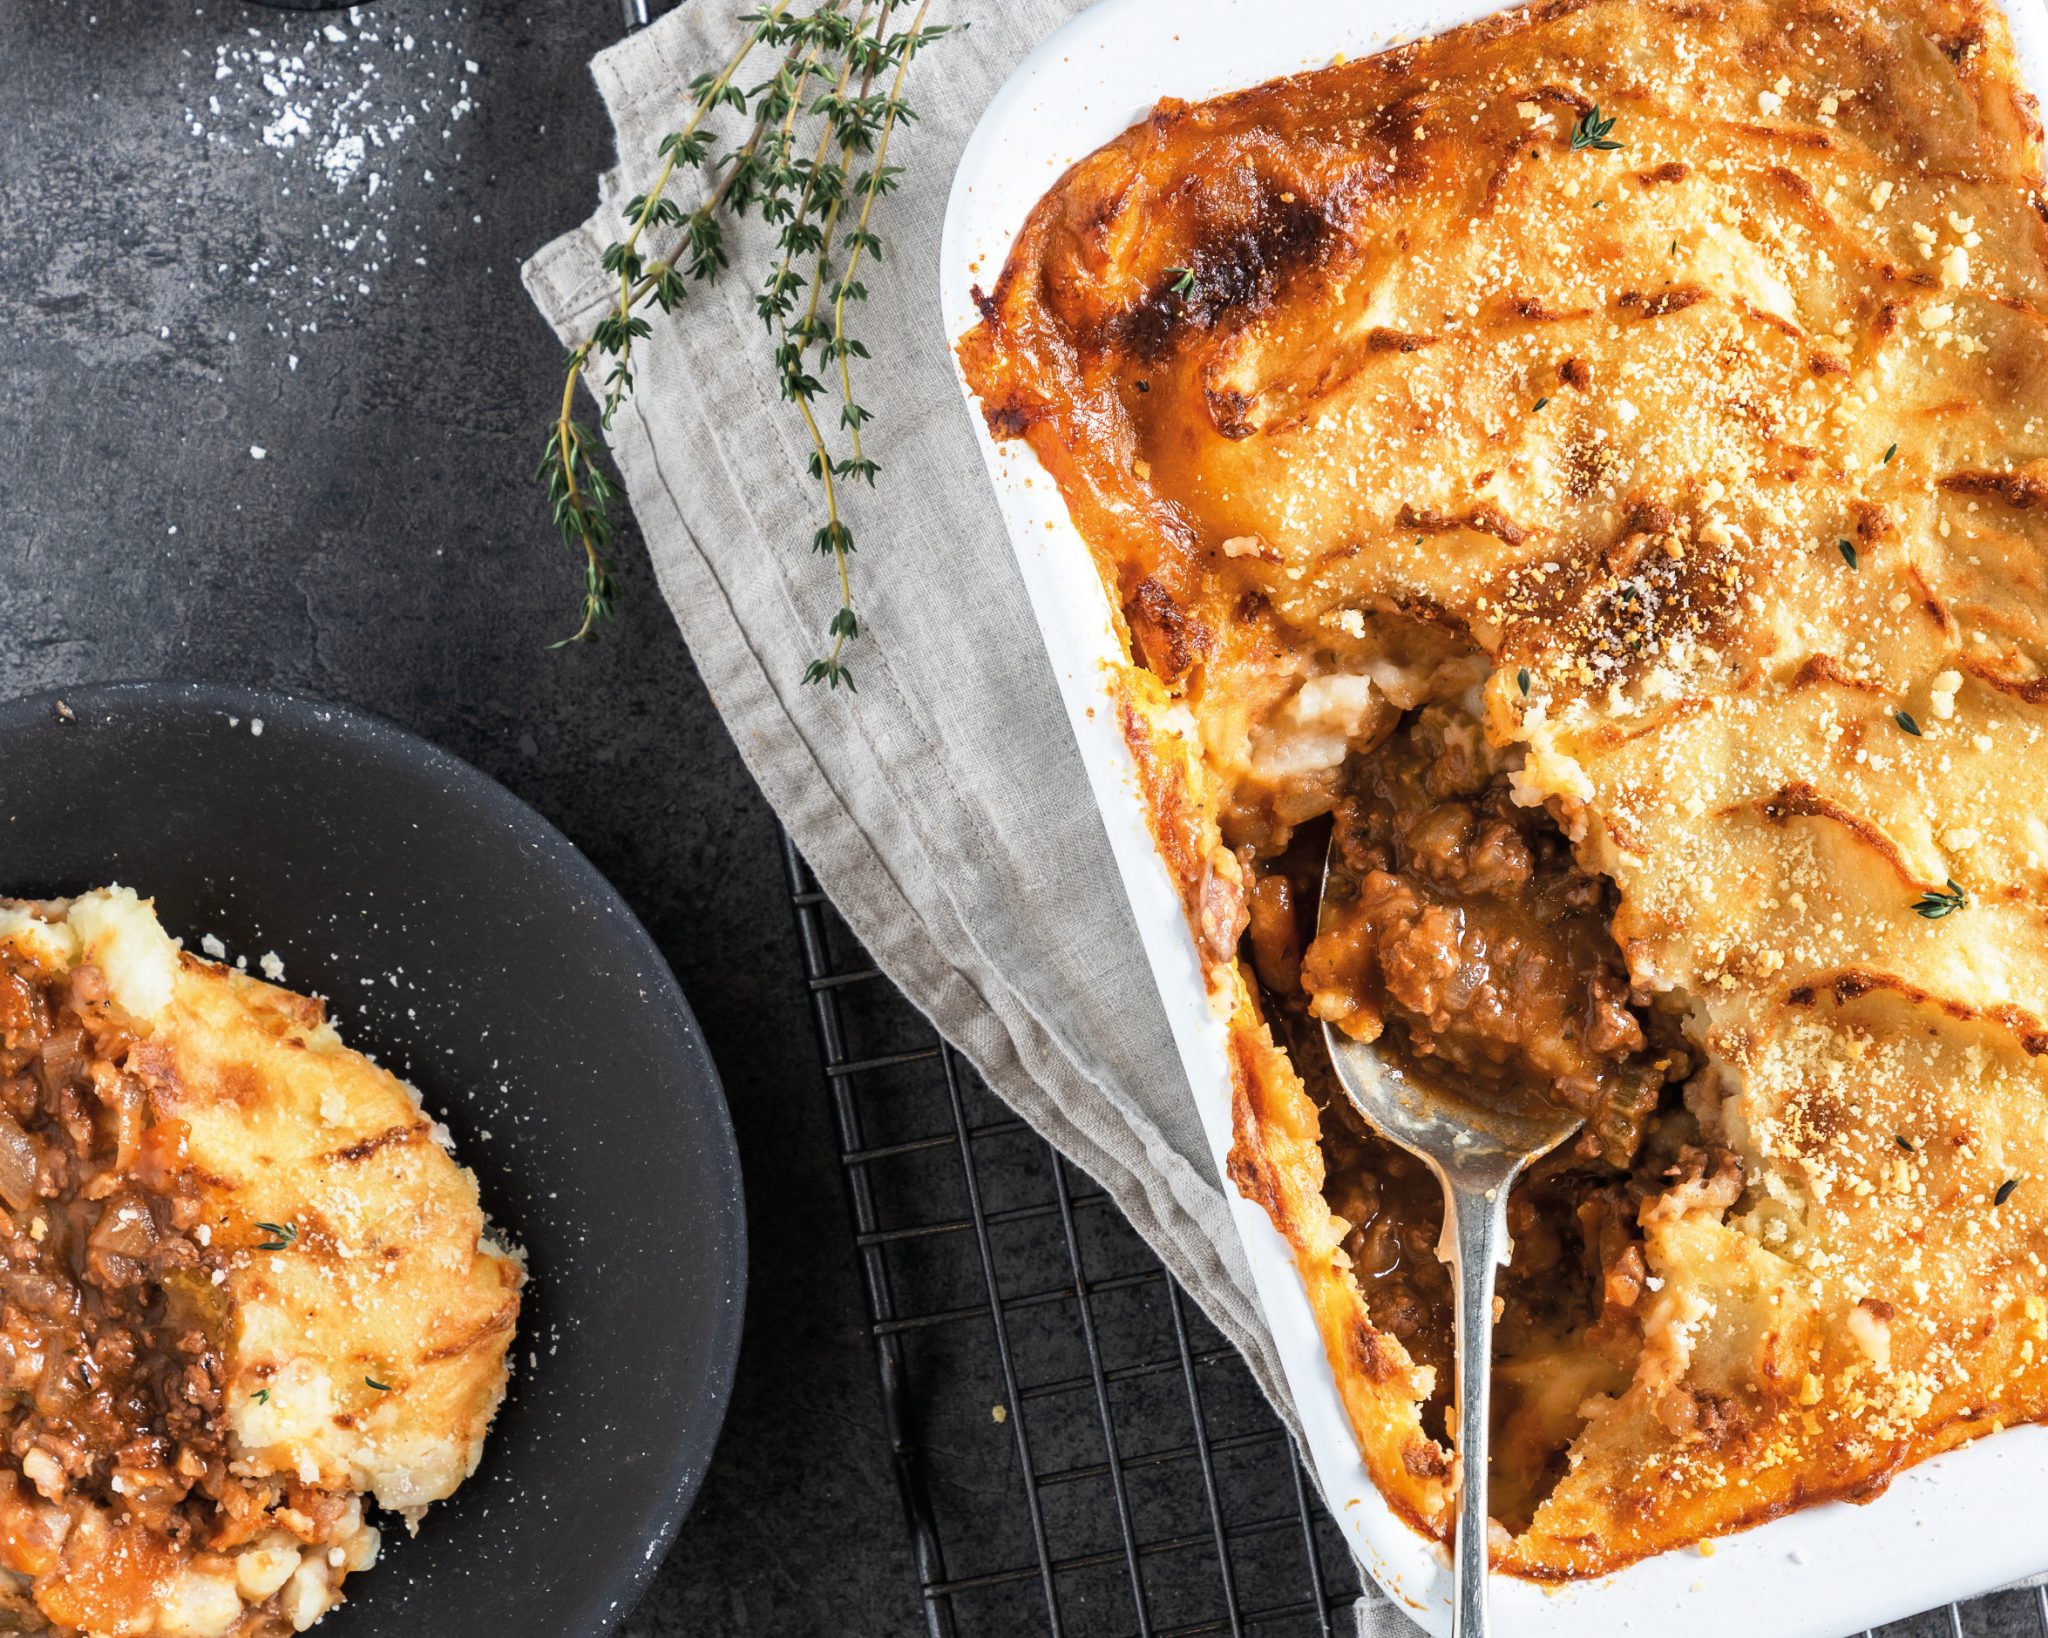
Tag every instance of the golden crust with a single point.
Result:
(1728, 449)
(388, 1278)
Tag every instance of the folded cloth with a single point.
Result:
(943, 807)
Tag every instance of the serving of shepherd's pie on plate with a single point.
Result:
(249, 1290)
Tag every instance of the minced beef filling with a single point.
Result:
(106, 1303)
(1569, 1322)
(1459, 924)
(1463, 935)
(110, 1318)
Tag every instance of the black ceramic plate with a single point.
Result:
(464, 943)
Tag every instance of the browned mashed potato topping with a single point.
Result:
(1592, 462)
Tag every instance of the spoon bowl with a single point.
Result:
(1477, 1150)
(1458, 1138)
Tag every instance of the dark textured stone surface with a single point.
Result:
(390, 553)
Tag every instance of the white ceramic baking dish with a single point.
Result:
(1960, 1524)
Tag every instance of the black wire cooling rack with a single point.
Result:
(1078, 1450)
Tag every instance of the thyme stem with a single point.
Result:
(570, 439)
(851, 413)
(708, 98)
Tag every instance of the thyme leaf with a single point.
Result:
(281, 1236)
(1848, 552)
(1591, 132)
(1937, 902)
(381, 1387)
(2005, 1191)
(1180, 280)
(1905, 720)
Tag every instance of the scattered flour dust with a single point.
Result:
(357, 106)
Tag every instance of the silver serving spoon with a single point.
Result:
(1476, 1153)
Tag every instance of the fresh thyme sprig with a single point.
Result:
(580, 491)
(843, 66)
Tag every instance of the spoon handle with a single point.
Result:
(1478, 1235)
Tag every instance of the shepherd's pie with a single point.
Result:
(1596, 459)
